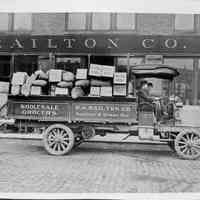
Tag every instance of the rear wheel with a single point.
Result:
(58, 139)
(187, 144)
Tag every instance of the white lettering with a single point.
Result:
(50, 45)
(34, 46)
(17, 44)
(171, 43)
(90, 43)
(113, 43)
(69, 42)
(148, 43)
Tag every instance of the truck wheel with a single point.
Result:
(58, 139)
(187, 144)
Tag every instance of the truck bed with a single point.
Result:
(66, 109)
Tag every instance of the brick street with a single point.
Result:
(26, 167)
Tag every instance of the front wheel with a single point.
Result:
(58, 139)
(187, 144)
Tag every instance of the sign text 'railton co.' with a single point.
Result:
(98, 43)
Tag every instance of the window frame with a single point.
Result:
(101, 30)
(7, 77)
(192, 71)
(126, 30)
(22, 30)
(182, 31)
(9, 23)
(76, 30)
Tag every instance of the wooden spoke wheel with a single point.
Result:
(187, 145)
(58, 139)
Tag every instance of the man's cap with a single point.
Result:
(143, 82)
(150, 84)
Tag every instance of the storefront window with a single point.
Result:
(132, 61)
(70, 63)
(45, 63)
(101, 21)
(184, 22)
(4, 68)
(102, 60)
(125, 21)
(4, 20)
(26, 64)
(184, 82)
(198, 86)
(122, 62)
(22, 22)
(76, 21)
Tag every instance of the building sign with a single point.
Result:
(104, 112)
(99, 43)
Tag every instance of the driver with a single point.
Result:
(144, 92)
(145, 96)
(160, 103)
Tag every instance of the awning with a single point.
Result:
(152, 70)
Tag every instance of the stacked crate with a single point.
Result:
(120, 84)
(101, 81)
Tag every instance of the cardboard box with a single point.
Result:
(120, 78)
(146, 133)
(55, 75)
(119, 90)
(4, 87)
(108, 71)
(31, 79)
(52, 89)
(26, 89)
(15, 90)
(36, 90)
(95, 70)
(67, 76)
(61, 91)
(81, 74)
(95, 91)
(3, 101)
(19, 78)
(106, 91)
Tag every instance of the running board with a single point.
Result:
(112, 139)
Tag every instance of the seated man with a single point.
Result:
(143, 93)
(144, 96)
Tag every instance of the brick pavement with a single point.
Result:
(26, 167)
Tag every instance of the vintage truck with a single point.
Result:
(68, 122)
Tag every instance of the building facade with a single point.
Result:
(70, 40)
